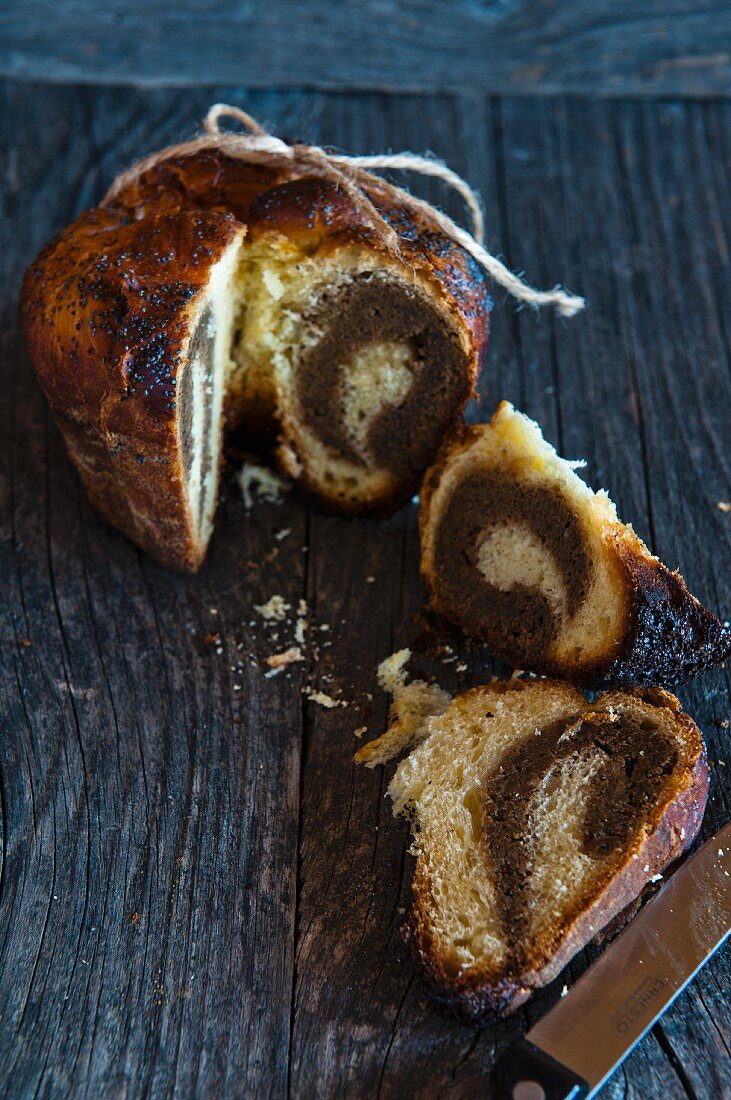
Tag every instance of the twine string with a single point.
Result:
(354, 175)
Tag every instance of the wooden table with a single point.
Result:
(201, 894)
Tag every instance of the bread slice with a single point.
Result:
(521, 553)
(368, 357)
(209, 283)
(538, 817)
(128, 326)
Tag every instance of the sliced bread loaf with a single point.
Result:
(209, 293)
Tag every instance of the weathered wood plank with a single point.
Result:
(607, 47)
(151, 785)
(538, 182)
(360, 1023)
(201, 895)
(617, 371)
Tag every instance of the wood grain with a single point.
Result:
(201, 895)
(503, 47)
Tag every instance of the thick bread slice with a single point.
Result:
(521, 553)
(129, 328)
(537, 818)
(368, 356)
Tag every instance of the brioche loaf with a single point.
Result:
(537, 819)
(210, 288)
(519, 552)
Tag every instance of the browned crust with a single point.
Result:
(669, 832)
(461, 440)
(318, 218)
(669, 636)
(107, 308)
(111, 297)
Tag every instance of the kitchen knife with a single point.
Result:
(581, 1041)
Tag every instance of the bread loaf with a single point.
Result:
(210, 292)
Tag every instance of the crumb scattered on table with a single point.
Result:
(288, 657)
(414, 704)
(268, 485)
(274, 610)
(323, 699)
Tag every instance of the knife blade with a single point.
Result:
(572, 1051)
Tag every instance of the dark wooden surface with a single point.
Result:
(610, 47)
(201, 895)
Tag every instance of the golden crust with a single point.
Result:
(668, 832)
(107, 307)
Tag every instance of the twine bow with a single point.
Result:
(353, 174)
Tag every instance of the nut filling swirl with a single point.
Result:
(634, 765)
(400, 424)
(519, 619)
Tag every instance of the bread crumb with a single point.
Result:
(360, 731)
(283, 533)
(391, 675)
(269, 486)
(412, 707)
(370, 580)
(323, 699)
(288, 657)
(724, 505)
(274, 610)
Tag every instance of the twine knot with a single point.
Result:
(354, 175)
